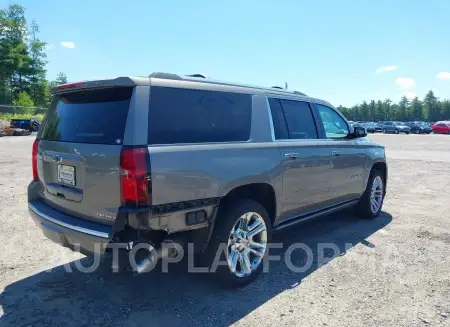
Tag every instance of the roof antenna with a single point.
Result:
(198, 75)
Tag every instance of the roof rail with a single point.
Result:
(165, 75)
(207, 80)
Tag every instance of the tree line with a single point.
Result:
(23, 80)
(430, 109)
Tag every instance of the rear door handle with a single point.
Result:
(336, 153)
(292, 156)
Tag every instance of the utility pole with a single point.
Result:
(285, 85)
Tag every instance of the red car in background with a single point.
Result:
(441, 127)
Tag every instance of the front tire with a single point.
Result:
(241, 235)
(371, 202)
(396, 131)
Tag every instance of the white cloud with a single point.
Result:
(383, 69)
(409, 95)
(443, 75)
(67, 44)
(405, 82)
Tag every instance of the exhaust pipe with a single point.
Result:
(146, 262)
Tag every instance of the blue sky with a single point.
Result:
(327, 49)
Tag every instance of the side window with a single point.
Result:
(198, 116)
(335, 127)
(299, 119)
(279, 122)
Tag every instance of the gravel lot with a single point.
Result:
(393, 271)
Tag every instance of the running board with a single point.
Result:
(317, 214)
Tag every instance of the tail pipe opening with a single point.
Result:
(144, 256)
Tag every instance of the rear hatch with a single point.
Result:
(80, 143)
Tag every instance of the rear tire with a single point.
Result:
(227, 225)
(371, 202)
(396, 131)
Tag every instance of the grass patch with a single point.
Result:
(8, 117)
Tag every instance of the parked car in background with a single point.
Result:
(367, 127)
(120, 161)
(441, 127)
(378, 128)
(395, 127)
(419, 127)
(402, 127)
(371, 127)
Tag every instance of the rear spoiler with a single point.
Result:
(107, 83)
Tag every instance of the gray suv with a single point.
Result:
(189, 160)
(395, 127)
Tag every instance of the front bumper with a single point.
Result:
(77, 234)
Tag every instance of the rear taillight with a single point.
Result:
(34, 160)
(70, 85)
(135, 176)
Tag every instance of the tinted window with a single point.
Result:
(279, 122)
(334, 125)
(90, 116)
(299, 119)
(197, 116)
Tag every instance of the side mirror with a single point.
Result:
(359, 131)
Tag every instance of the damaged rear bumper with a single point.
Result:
(77, 234)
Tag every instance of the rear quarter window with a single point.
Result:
(88, 116)
(198, 116)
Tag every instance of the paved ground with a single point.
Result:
(394, 271)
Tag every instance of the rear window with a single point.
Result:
(90, 116)
(198, 116)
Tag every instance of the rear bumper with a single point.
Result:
(77, 234)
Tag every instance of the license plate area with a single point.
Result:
(66, 175)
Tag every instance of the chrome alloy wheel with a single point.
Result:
(247, 244)
(376, 194)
